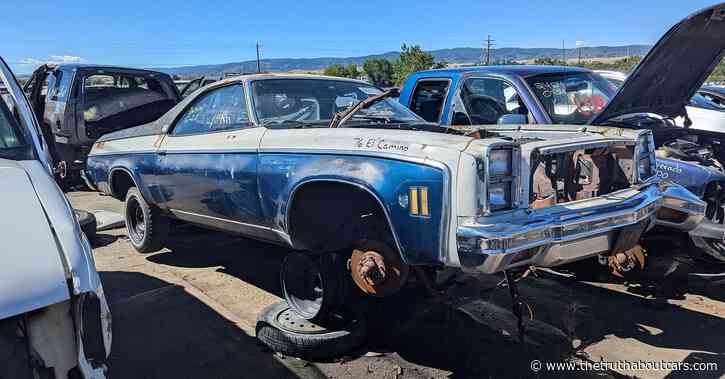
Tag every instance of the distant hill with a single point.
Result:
(459, 55)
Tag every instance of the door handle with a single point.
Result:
(161, 152)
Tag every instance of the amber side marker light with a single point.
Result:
(419, 201)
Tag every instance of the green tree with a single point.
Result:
(335, 70)
(412, 59)
(718, 74)
(379, 72)
(549, 61)
(352, 71)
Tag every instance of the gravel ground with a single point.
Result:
(189, 311)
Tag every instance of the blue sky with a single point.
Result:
(164, 33)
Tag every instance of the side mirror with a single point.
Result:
(512, 119)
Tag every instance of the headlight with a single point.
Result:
(500, 162)
(645, 168)
(499, 195)
(645, 156)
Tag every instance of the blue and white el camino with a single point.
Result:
(337, 168)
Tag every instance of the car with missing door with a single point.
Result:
(361, 187)
(78, 103)
(54, 318)
(679, 64)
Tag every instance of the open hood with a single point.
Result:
(674, 69)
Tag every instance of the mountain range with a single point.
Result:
(459, 55)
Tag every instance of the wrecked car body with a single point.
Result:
(78, 103)
(516, 95)
(337, 169)
(54, 319)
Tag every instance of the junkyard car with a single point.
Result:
(77, 103)
(569, 95)
(336, 168)
(54, 320)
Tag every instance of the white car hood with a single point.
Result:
(31, 268)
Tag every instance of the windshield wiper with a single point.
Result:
(341, 117)
(386, 119)
(290, 123)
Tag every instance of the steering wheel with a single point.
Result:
(485, 109)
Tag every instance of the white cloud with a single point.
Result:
(54, 59)
(580, 43)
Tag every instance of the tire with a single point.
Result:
(67, 178)
(147, 228)
(319, 343)
(88, 224)
(715, 212)
(314, 285)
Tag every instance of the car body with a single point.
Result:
(555, 94)
(78, 103)
(54, 319)
(443, 198)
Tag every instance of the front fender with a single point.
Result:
(420, 237)
(695, 178)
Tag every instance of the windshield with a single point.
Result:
(572, 98)
(12, 142)
(315, 101)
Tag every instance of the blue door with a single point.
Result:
(208, 161)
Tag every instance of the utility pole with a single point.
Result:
(563, 52)
(580, 56)
(259, 66)
(489, 43)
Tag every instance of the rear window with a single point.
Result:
(105, 81)
(428, 98)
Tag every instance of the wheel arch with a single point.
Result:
(127, 180)
(351, 184)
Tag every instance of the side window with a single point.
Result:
(61, 86)
(429, 97)
(219, 109)
(485, 100)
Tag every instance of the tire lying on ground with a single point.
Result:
(284, 331)
(88, 224)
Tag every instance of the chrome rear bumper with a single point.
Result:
(573, 231)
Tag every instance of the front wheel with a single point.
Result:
(147, 228)
(314, 285)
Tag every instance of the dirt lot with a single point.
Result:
(189, 312)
